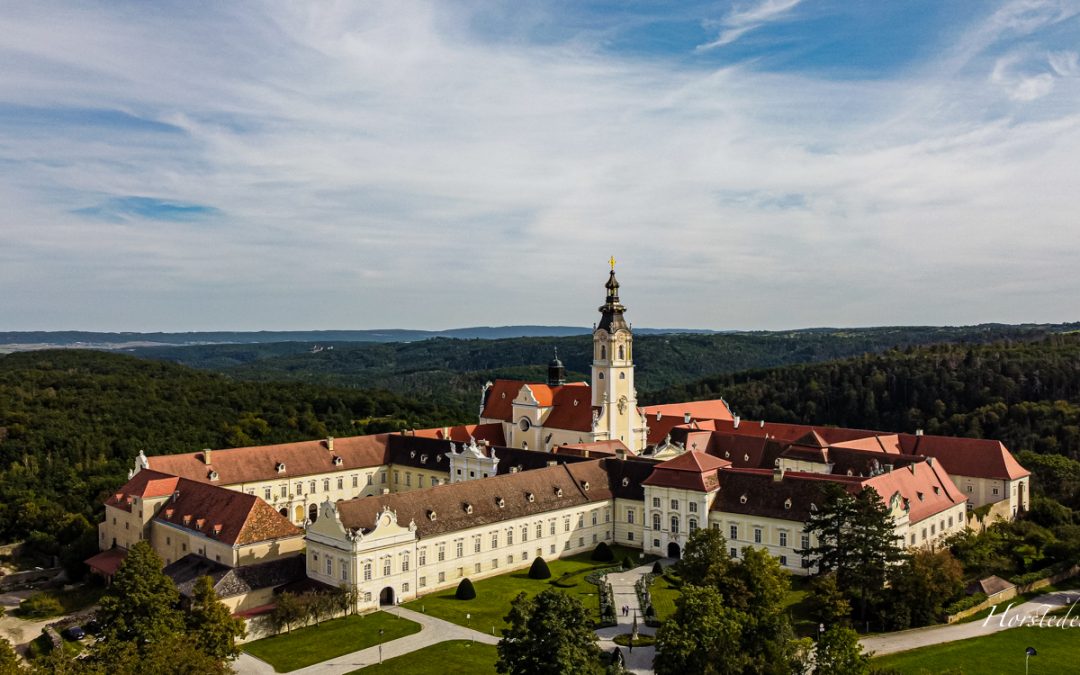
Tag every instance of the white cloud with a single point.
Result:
(738, 22)
(1064, 63)
(383, 165)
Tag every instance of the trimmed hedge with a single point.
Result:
(657, 568)
(539, 569)
(627, 564)
(965, 603)
(465, 590)
(603, 553)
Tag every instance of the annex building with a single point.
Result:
(551, 468)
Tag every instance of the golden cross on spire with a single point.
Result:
(612, 263)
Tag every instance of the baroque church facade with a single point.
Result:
(550, 469)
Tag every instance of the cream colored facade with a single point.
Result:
(121, 528)
(671, 515)
(983, 491)
(392, 556)
(173, 542)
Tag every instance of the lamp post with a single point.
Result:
(380, 645)
(468, 624)
(1028, 653)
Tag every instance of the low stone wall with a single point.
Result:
(19, 579)
(1011, 593)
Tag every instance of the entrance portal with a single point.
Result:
(673, 550)
(386, 597)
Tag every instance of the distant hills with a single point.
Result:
(31, 340)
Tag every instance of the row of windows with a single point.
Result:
(692, 523)
(692, 507)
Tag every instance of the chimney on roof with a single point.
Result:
(620, 453)
(918, 432)
(585, 452)
(330, 443)
(778, 474)
(930, 461)
(762, 424)
(552, 462)
(686, 418)
(737, 420)
(206, 456)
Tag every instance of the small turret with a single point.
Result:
(556, 371)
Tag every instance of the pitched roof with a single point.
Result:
(499, 400)
(232, 581)
(926, 489)
(592, 448)
(705, 410)
(459, 506)
(572, 408)
(145, 484)
(757, 492)
(259, 463)
(967, 456)
(462, 433)
(689, 471)
(107, 562)
(229, 516)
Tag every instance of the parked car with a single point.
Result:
(92, 627)
(74, 633)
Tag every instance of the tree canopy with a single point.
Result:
(549, 634)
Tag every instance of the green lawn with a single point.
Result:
(1068, 584)
(456, 657)
(305, 646)
(994, 654)
(797, 604)
(663, 593)
(493, 595)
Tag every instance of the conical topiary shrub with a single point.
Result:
(627, 563)
(465, 590)
(657, 568)
(602, 553)
(539, 569)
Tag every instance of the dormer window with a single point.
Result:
(787, 503)
(530, 496)
(280, 466)
(659, 416)
(439, 458)
(468, 507)
(338, 461)
(169, 513)
(412, 455)
(937, 490)
(186, 519)
(431, 515)
(213, 475)
(500, 502)
(217, 529)
(776, 462)
(742, 498)
(585, 485)
(504, 394)
(813, 507)
(423, 459)
(919, 495)
(558, 492)
(727, 454)
(746, 458)
(625, 481)
(575, 402)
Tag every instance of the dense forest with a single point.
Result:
(1026, 394)
(71, 423)
(452, 371)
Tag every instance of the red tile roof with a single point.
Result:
(571, 403)
(573, 409)
(259, 463)
(711, 410)
(229, 516)
(593, 449)
(916, 484)
(146, 484)
(499, 400)
(689, 471)
(967, 456)
(462, 433)
(107, 562)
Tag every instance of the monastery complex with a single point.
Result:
(550, 469)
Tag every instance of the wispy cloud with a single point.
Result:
(392, 164)
(740, 21)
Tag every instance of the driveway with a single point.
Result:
(890, 643)
(640, 660)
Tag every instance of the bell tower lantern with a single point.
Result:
(613, 370)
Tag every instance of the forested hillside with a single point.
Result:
(1026, 394)
(452, 371)
(71, 423)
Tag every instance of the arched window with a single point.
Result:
(603, 352)
(313, 512)
(329, 566)
(405, 561)
(622, 352)
(386, 566)
(622, 376)
(656, 521)
(601, 376)
(674, 524)
(693, 525)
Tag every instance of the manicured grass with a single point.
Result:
(456, 657)
(997, 653)
(305, 646)
(796, 602)
(623, 640)
(663, 593)
(493, 595)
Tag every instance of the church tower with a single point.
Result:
(613, 372)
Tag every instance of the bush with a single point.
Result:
(40, 606)
(602, 553)
(539, 569)
(465, 590)
(965, 603)
(657, 568)
(627, 563)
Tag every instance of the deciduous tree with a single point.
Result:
(701, 637)
(549, 634)
(211, 625)
(140, 606)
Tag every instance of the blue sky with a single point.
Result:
(759, 164)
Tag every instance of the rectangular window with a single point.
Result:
(344, 571)
(341, 483)
(630, 536)
(311, 487)
(656, 502)
(509, 560)
(408, 478)
(476, 568)
(266, 494)
(783, 538)
(630, 516)
(494, 563)
(539, 530)
(552, 549)
(442, 577)
(494, 540)
(367, 571)
(580, 541)
(370, 478)
(594, 517)
(386, 567)
(397, 478)
(734, 553)
(423, 557)
(405, 561)
(367, 596)
(299, 488)
(734, 532)
(326, 485)
(284, 491)
(524, 533)
(552, 523)
(757, 535)
(693, 507)
(460, 548)
(509, 537)
(421, 582)
(476, 545)
(674, 504)
(382, 477)
(355, 481)
(594, 538)
(806, 541)
(442, 552)
(783, 560)
(329, 567)
(434, 481)
(566, 524)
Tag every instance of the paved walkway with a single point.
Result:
(921, 637)
(432, 631)
(640, 660)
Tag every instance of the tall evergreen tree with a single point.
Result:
(856, 539)
(210, 623)
(140, 606)
(549, 634)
